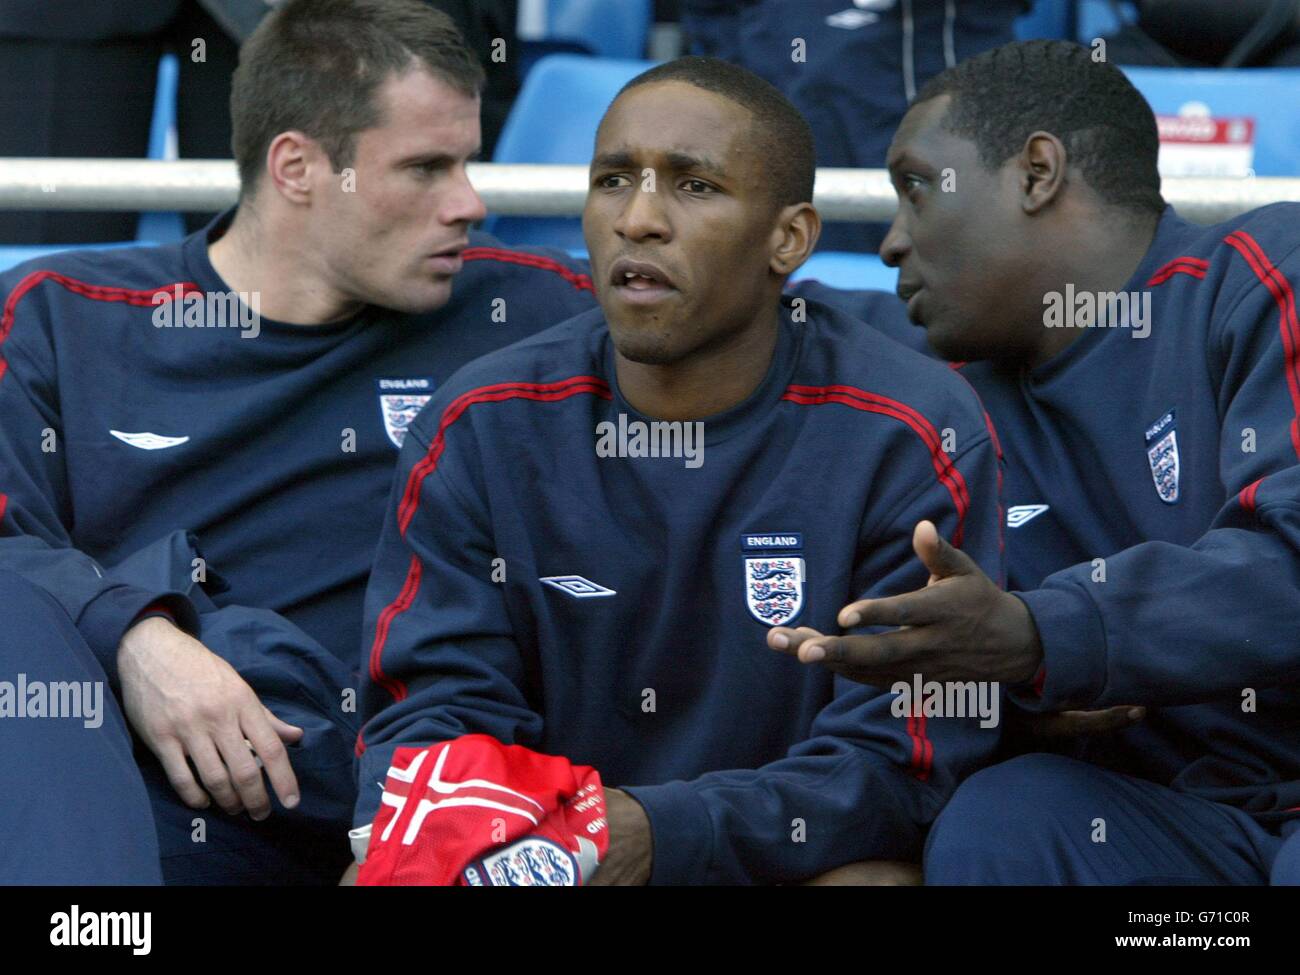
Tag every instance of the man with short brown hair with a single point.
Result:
(199, 438)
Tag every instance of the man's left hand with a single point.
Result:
(961, 626)
(630, 854)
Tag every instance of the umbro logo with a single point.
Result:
(577, 586)
(148, 441)
(1018, 514)
(866, 13)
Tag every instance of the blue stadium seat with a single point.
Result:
(1096, 18)
(554, 120)
(530, 52)
(163, 227)
(1271, 96)
(1048, 19)
(610, 30)
(856, 272)
(162, 127)
(11, 256)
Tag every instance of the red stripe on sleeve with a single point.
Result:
(1247, 496)
(580, 281)
(947, 473)
(1280, 288)
(96, 292)
(401, 604)
(1002, 515)
(544, 392)
(916, 732)
(540, 392)
(1194, 266)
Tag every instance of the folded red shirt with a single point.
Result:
(475, 812)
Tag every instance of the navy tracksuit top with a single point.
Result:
(613, 609)
(1174, 459)
(276, 451)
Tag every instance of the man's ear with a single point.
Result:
(1042, 165)
(793, 238)
(289, 159)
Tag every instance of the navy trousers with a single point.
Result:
(301, 683)
(83, 802)
(73, 807)
(1048, 819)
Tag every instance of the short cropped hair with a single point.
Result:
(1109, 132)
(317, 65)
(781, 136)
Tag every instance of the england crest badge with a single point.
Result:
(532, 862)
(774, 581)
(1162, 455)
(400, 400)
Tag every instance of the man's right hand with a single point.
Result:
(183, 700)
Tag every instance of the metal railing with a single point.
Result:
(509, 189)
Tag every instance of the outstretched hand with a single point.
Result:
(960, 626)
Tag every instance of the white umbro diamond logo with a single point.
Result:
(149, 441)
(1018, 514)
(577, 586)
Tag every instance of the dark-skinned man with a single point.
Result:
(1152, 479)
(545, 583)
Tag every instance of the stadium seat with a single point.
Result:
(1047, 19)
(530, 52)
(610, 30)
(1270, 96)
(12, 256)
(856, 272)
(554, 120)
(162, 227)
(1096, 18)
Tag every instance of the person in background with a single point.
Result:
(78, 79)
(851, 67)
(198, 438)
(1143, 374)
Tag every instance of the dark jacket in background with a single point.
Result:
(863, 65)
(481, 22)
(84, 20)
(78, 78)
